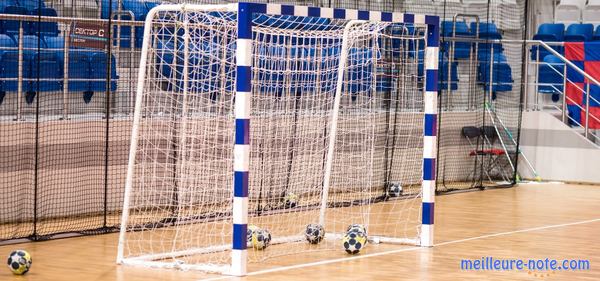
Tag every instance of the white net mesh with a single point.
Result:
(180, 205)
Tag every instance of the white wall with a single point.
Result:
(557, 151)
(542, 12)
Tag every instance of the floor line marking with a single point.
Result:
(284, 268)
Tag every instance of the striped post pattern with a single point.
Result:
(241, 150)
(242, 111)
(430, 130)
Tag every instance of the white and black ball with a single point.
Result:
(249, 231)
(354, 241)
(260, 239)
(290, 200)
(314, 233)
(19, 262)
(357, 227)
(394, 189)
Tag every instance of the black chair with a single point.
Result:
(490, 159)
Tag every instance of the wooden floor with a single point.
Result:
(530, 221)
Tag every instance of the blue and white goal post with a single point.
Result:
(260, 119)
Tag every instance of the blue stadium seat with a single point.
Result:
(79, 71)
(79, 64)
(47, 67)
(328, 79)
(444, 77)
(98, 68)
(31, 5)
(41, 70)
(597, 34)
(274, 80)
(80, 68)
(462, 50)
(360, 80)
(44, 28)
(11, 27)
(484, 50)
(105, 4)
(486, 30)
(550, 74)
(548, 32)
(398, 44)
(125, 35)
(7, 3)
(7, 44)
(579, 32)
(150, 5)
(139, 10)
(9, 70)
(501, 76)
(30, 43)
(164, 60)
(54, 42)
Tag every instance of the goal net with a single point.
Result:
(261, 115)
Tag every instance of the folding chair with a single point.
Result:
(489, 158)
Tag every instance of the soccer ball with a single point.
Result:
(251, 229)
(19, 262)
(354, 241)
(357, 228)
(314, 233)
(394, 189)
(260, 239)
(290, 200)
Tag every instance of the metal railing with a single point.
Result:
(533, 98)
(561, 70)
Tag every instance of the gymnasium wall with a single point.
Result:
(79, 148)
(557, 151)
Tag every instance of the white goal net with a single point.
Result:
(179, 199)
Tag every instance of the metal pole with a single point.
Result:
(70, 19)
(20, 75)
(526, 78)
(473, 69)
(564, 95)
(587, 110)
(537, 74)
(450, 59)
(130, 67)
(491, 76)
(66, 73)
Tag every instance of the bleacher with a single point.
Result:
(43, 57)
(464, 52)
(559, 33)
(574, 21)
(86, 76)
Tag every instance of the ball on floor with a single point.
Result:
(394, 189)
(19, 262)
(354, 241)
(314, 233)
(260, 239)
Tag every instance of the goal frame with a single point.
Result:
(242, 110)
